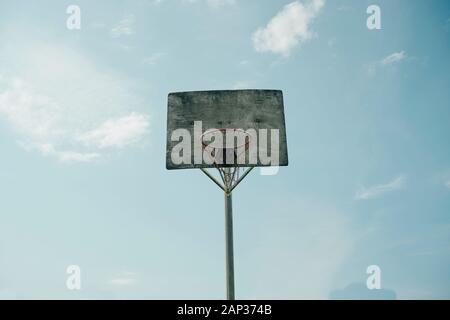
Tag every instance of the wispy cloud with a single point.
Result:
(71, 123)
(125, 27)
(28, 112)
(118, 132)
(393, 58)
(379, 190)
(289, 28)
(389, 60)
(447, 183)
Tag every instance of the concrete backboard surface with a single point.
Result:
(260, 110)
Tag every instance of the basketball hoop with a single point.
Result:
(219, 156)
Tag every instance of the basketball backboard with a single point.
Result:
(252, 120)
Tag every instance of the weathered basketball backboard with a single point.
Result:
(251, 122)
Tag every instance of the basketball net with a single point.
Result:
(230, 172)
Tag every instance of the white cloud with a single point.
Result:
(379, 190)
(62, 106)
(289, 28)
(390, 60)
(393, 58)
(125, 27)
(118, 132)
(30, 113)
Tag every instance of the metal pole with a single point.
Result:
(229, 246)
(213, 179)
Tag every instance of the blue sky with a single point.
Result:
(82, 137)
